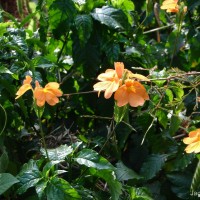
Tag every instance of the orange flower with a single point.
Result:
(26, 86)
(131, 92)
(193, 142)
(49, 93)
(170, 6)
(110, 80)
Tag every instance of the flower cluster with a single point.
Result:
(193, 142)
(124, 84)
(49, 93)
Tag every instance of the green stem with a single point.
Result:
(42, 135)
(4, 126)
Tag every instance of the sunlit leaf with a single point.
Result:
(29, 176)
(59, 153)
(113, 18)
(162, 117)
(91, 158)
(59, 188)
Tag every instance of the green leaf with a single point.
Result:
(174, 124)
(169, 94)
(40, 188)
(180, 161)
(4, 26)
(180, 184)
(29, 176)
(112, 50)
(126, 5)
(111, 17)
(141, 193)
(162, 117)
(114, 185)
(195, 186)
(61, 15)
(84, 26)
(4, 70)
(58, 154)
(179, 92)
(86, 57)
(27, 19)
(124, 173)
(152, 166)
(6, 181)
(120, 112)
(4, 160)
(92, 159)
(58, 188)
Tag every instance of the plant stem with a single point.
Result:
(42, 135)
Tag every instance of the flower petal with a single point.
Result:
(27, 80)
(121, 96)
(135, 100)
(51, 99)
(22, 90)
(138, 76)
(119, 68)
(107, 76)
(194, 147)
(52, 85)
(140, 90)
(189, 140)
(112, 88)
(101, 85)
(39, 94)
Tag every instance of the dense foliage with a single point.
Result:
(95, 149)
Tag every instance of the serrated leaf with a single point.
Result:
(92, 159)
(152, 166)
(58, 188)
(124, 173)
(84, 26)
(162, 117)
(111, 17)
(29, 176)
(6, 181)
(59, 153)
